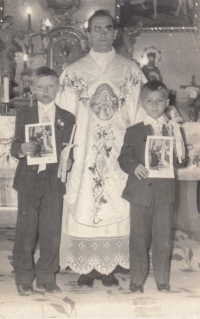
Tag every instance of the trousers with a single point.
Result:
(38, 214)
(150, 223)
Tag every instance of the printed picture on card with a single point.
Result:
(43, 135)
(159, 156)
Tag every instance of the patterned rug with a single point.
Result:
(103, 302)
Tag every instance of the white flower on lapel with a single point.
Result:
(60, 124)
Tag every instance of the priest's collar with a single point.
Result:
(102, 59)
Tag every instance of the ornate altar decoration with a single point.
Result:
(64, 41)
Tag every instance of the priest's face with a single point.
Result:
(102, 34)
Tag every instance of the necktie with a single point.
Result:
(157, 127)
(45, 118)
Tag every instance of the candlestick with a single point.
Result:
(29, 18)
(31, 100)
(6, 89)
(30, 46)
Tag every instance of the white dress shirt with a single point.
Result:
(156, 124)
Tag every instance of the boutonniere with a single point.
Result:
(60, 124)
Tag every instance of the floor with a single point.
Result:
(101, 302)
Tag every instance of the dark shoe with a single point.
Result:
(85, 280)
(26, 289)
(136, 288)
(51, 288)
(119, 269)
(109, 280)
(163, 287)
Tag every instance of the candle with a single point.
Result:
(25, 58)
(1, 11)
(86, 25)
(29, 18)
(47, 23)
(6, 89)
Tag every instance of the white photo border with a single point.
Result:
(161, 170)
(52, 158)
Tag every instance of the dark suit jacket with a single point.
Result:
(140, 192)
(25, 176)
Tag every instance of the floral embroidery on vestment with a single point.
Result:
(102, 149)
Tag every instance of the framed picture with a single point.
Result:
(158, 15)
(159, 156)
(43, 134)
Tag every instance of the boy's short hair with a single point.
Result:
(101, 13)
(44, 71)
(154, 86)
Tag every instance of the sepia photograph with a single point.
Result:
(99, 159)
(159, 156)
(43, 136)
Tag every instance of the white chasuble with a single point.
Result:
(95, 216)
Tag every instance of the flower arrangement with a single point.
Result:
(193, 94)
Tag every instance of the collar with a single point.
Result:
(46, 107)
(161, 120)
(50, 109)
(102, 59)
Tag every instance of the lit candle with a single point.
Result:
(86, 25)
(25, 58)
(29, 18)
(1, 11)
(6, 89)
(47, 23)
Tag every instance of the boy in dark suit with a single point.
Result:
(40, 192)
(151, 199)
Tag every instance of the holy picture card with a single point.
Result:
(159, 156)
(43, 135)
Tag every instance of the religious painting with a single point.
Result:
(159, 156)
(157, 13)
(43, 135)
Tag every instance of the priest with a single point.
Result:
(102, 90)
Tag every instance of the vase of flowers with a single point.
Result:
(193, 94)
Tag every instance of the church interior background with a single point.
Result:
(164, 41)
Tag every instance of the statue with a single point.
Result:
(151, 71)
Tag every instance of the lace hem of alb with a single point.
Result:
(83, 255)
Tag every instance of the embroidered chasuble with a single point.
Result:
(103, 94)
